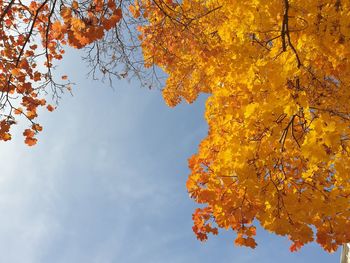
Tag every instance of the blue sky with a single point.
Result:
(106, 184)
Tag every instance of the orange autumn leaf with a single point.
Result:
(8, 22)
(28, 133)
(18, 111)
(24, 64)
(56, 26)
(239, 241)
(113, 20)
(134, 11)
(250, 242)
(37, 127)
(66, 13)
(37, 76)
(296, 246)
(6, 137)
(16, 72)
(75, 5)
(77, 24)
(50, 107)
(30, 141)
(31, 114)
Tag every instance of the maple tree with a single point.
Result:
(26, 66)
(277, 150)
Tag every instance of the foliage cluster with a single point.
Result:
(277, 150)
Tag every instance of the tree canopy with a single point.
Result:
(277, 150)
(26, 66)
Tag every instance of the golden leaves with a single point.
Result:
(77, 24)
(135, 9)
(277, 150)
(278, 143)
(250, 109)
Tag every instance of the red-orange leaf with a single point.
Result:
(30, 141)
